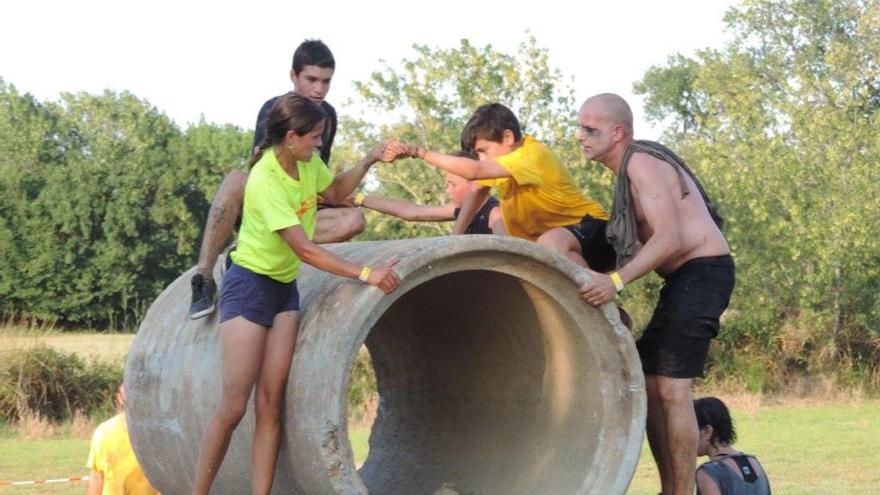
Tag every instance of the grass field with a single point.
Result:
(110, 347)
(807, 447)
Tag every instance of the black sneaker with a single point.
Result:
(204, 296)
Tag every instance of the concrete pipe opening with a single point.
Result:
(493, 377)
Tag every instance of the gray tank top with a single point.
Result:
(730, 483)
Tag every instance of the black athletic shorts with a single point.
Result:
(676, 341)
(590, 232)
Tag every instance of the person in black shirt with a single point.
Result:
(311, 73)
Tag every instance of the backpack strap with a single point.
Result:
(745, 468)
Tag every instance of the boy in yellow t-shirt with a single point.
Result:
(115, 469)
(539, 199)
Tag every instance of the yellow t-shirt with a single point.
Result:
(111, 454)
(540, 194)
(274, 201)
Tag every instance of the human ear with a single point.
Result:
(706, 432)
(290, 138)
(507, 138)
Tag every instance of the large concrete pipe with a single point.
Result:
(493, 376)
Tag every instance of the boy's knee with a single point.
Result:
(556, 239)
(357, 222)
(338, 225)
(351, 222)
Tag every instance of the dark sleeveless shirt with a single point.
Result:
(729, 483)
(480, 223)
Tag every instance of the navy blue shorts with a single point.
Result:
(676, 340)
(256, 297)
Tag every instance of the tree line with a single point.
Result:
(103, 197)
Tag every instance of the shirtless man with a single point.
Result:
(661, 221)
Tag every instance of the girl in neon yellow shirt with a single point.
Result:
(259, 299)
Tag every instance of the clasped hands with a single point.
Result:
(392, 150)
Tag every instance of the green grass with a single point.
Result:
(50, 458)
(65, 456)
(825, 449)
(807, 450)
(359, 438)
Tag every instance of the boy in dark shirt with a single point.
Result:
(311, 73)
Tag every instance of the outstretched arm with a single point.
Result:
(346, 182)
(409, 211)
(459, 165)
(382, 276)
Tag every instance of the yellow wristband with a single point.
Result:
(365, 274)
(359, 199)
(618, 282)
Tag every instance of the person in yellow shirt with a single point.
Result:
(115, 469)
(259, 298)
(539, 199)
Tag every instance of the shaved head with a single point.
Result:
(611, 108)
(605, 128)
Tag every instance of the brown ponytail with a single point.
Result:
(258, 154)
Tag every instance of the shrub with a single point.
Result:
(55, 385)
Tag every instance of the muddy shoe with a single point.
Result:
(204, 296)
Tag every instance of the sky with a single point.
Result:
(222, 60)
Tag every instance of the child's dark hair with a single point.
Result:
(489, 122)
(466, 154)
(312, 52)
(291, 112)
(712, 412)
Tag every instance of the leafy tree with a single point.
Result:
(782, 126)
(25, 126)
(431, 96)
(102, 203)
